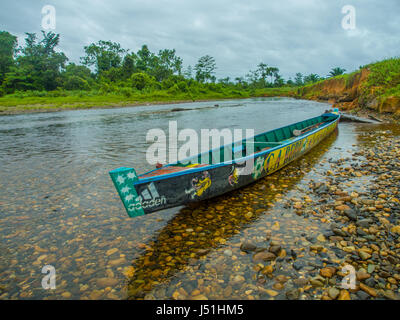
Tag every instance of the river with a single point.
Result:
(58, 205)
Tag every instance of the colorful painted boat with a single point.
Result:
(192, 180)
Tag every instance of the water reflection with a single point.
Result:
(196, 230)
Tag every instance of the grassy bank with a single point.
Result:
(374, 87)
(25, 102)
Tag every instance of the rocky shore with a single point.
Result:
(346, 216)
(364, 227)
(288, 236)
(364, 230)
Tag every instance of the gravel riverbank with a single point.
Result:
(345, 213)
(288, 236)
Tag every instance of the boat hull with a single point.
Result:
(149, 195)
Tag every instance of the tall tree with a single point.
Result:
(188, 73)
(311, 78)
(39, 65)
(129, 65)
(165, 64)
(298, 79)
(259, 77)
(262, 72)
(279, 81)
(8, 45)
(205, 69)
(73, 69)
(273, 73)
(145, 59)
(225, 81)
(336, 72)
(104, 55)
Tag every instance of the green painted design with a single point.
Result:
(123, 179)
(258, 167)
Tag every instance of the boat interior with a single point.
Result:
(239, 149)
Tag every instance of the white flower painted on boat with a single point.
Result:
(125, 190)
(131, 175)
(129, 198)
(120, 179)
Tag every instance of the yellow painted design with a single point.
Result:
(202, 186)
(279, 158)
(234, 177)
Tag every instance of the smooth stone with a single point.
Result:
(351, 214)
(228, 252)
(362, 295)
(369, 290)
(327, 272)
(66, 295)
(364, 255)
(263, 256)
(298, 265)
(316, 247)
(293, 294)
(333, 293)
(388, 294)
(300, 282)
(275, 249)
(316, 283)
(107, 282)
(344, 295)
(238, 279)
(247, 247)
(371, 268)
(364, 223)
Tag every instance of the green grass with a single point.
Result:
(48, 101)
(384, 79)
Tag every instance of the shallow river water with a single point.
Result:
(58, 206)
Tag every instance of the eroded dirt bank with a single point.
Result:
(353, 93)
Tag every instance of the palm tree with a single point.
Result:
(311, 78)
(336, 72)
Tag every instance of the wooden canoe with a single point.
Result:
(191, 180)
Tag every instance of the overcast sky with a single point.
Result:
(295, 35)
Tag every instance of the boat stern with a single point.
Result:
(123, 179)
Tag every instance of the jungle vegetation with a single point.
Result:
(37, 72)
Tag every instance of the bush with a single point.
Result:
(182, 86)
(173, 90)
(167, 83)
(76, 83)
(57, 93)
(126, 92)
(141, 80)
(105, 88)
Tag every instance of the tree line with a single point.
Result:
(107, 67)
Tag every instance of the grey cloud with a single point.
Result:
(297, 36)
